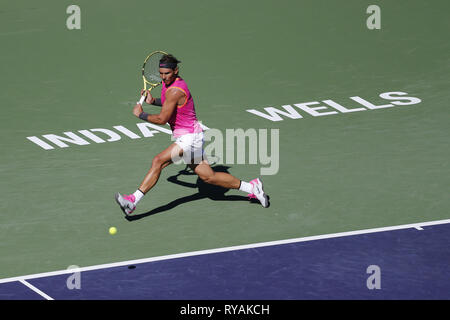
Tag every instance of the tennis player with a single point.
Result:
(178, 110)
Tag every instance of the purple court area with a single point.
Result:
(413, 264)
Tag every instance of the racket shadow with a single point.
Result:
(205, 191)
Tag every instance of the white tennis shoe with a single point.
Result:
(259, 193)
(126, 202)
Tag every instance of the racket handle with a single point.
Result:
(141, 101)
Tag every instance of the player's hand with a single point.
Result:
(148, 97)
(137, 110)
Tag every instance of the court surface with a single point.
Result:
(332, 266)
(361, 159)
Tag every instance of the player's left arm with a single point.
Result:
(169, 106)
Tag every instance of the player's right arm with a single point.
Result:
(169, 107)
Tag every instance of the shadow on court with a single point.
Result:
(205, 190)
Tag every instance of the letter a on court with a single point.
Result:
(374, 20)
(74, 20)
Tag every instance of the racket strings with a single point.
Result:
(151, 68)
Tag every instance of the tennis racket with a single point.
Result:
(150, 72)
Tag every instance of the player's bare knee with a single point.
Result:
(211, 179)
(157, 162)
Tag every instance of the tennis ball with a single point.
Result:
(112, 230)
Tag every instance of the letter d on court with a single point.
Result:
(74, 281)
(374, 281)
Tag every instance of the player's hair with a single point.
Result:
(170, 60)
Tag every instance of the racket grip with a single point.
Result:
(141, 101)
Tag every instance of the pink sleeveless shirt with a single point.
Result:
(183, 119)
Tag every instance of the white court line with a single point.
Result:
(29, 285)
(218, 250)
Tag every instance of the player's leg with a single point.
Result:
(226, 180)
(159, 162)
(208, 175)
(128, 202)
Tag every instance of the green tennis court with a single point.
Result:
(356, 161)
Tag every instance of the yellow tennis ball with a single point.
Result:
(112, 230)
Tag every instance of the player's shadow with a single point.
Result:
(205, 190)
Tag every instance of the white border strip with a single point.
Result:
(39, 292)
(218, 250)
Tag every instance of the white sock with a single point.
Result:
(138, 196)
(246, 187)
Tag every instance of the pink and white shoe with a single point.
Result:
(252, 195)
(126, 202)
(258, 192)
